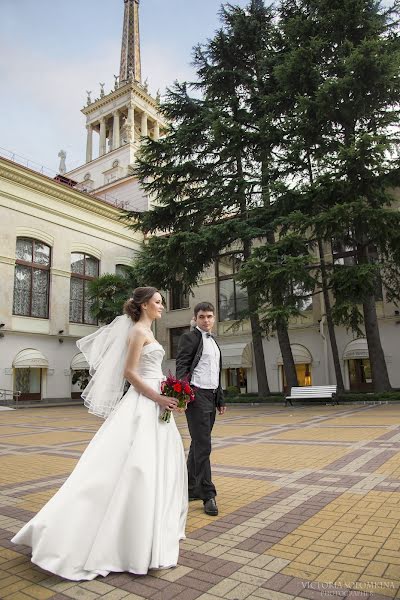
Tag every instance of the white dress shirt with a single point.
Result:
(206, 373)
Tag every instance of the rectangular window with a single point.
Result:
(178, 299)
(174, 335)
(232, 297)
(84, 269)
(344, 254)
(304, 301)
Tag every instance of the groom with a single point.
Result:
(199, 360)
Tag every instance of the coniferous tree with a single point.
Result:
(205, 174)
(340, 67)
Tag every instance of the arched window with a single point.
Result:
(84, 268)
(122, 270)
(32, 278)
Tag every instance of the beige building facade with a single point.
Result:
(53, 240)
(308, 336)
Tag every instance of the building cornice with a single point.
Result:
(89, 207)
(130, 86)
(36, 181)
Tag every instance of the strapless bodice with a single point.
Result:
(150, 361)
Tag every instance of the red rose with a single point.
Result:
(177, 387)
(187, 389)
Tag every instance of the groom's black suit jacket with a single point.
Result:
(190, 349)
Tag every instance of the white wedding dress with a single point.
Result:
(124, 506)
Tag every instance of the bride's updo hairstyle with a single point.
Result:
(132, 306)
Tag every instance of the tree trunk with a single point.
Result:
(287, 355)
(379, 371)
(281, 327)
(327, 300)
(380, 377)
(259, 359)
(329, 320)
(283, 336)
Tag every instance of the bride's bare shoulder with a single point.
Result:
(140, 335)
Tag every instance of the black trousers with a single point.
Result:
(200, 416)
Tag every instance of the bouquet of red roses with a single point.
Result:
(179, 389)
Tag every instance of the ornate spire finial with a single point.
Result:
(130, 49)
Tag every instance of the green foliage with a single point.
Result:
(246, 399)
(369, 397)
(282, 277)
(81, 377)
(108, 294)
(232, 390)
(340, 74)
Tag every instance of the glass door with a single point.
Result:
(29, 383)
(303, 371)
(360, 375)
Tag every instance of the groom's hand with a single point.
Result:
(221, 410)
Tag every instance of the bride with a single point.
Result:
(124, 506)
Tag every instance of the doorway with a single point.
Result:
(303, 371)
(360, 375)
(238, 378)
(28, 381)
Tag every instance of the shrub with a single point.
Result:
(232, 390)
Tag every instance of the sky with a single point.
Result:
(52, 51)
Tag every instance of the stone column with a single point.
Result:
(156, 130)
(130, 129)
(116, 131)
(144, 125)
(110, 137)
(102, 148)
(89, 143)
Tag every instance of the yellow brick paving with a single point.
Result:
(391, 467)
(264, 542)
(276, 456)
(233, 490)
(18, 468)
(332, 434)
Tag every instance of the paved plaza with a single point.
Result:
(309, 501)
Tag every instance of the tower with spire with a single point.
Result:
(116, 123)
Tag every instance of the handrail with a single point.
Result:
(9, 397)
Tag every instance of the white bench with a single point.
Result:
(312, 392)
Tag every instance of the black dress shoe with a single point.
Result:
(210, 507)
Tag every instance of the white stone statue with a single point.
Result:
(102, 90)
(89, 100)
(116, 83)
(62, 169)
(146, 85)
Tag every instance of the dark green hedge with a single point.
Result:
(347, 397)
(373, 397)
(253, 398)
